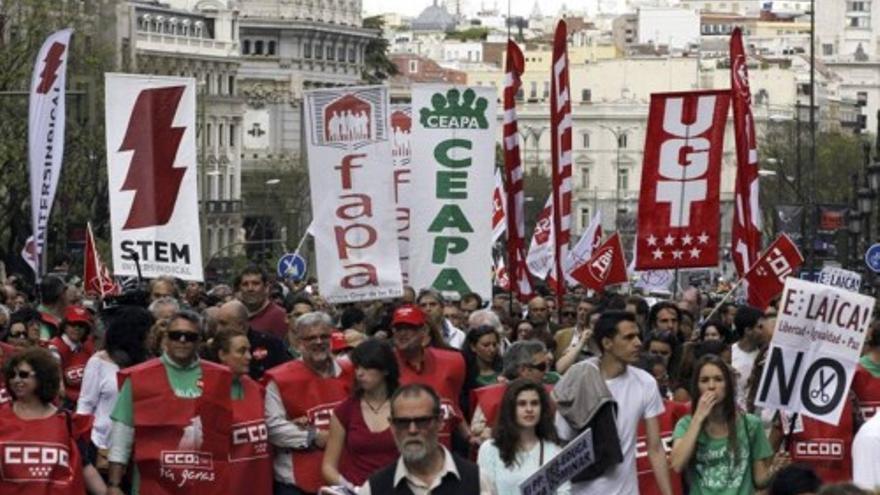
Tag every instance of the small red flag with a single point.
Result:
(607, 266)
(96, 277)
(767, 276)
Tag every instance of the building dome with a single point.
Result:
(434, 18)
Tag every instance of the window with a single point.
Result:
(307, 50)
(220, 137)
(586, 95)
(340, 54)
(208, 135)
(621, 141)
(585, 137)
(258, 47)
(585, 217)
(230, 85)
(533, 92)
(413, 66)
(585, 177)
(623, 179)
(862, 98)
(221, 187)
(270, 49)
(352, 55)
(520, 94)
(232, 135)
(220, 81)
(246, 47)
(319, 51)
(546, 89)
(331, 53)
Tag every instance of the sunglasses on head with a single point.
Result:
(182, 336)
(421, 422)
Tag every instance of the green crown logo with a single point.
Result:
(455, 111)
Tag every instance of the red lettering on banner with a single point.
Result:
(346, 167)
(352, 211)
(357, 235)
(367, 276)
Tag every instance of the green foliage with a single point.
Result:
(378, 66)
(470, 34)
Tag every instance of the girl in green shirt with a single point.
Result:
(723, 450)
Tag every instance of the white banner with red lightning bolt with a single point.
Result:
(151, 169)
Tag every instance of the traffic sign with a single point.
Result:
(872, 258)
(292, 267)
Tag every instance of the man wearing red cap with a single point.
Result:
(442, 370)
(73, 348)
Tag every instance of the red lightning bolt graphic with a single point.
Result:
(50, 70)
(154, 141)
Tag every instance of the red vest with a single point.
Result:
(305, 393)
(673, 411)
(443, 371)
(867, 389)
(6, 351)
(250, 465)
(827, 448)
(39, 457)
(73, 364)
(170, 456)
(488, 399)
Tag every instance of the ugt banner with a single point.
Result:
(452, 221)
(679, 205)
(151, 168)
(46, 135)
(348, 136)
(815, 348)
(401, 154)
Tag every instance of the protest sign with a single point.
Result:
(401, 155)
(838, 277)
(576, 456)
(815, 348)
(350, 167)
(451, 241)
(151, 170)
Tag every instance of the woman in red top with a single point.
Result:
(360, 441)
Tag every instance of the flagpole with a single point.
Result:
(724, 299)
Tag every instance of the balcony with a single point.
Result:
(226, 206)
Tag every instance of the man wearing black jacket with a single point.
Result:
(267, 351)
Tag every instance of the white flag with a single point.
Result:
(46, 134)
(583, 250)
(540, 257)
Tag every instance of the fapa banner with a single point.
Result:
(401, 155)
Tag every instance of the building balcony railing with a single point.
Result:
(223, 206)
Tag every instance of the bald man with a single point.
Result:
(267, 351)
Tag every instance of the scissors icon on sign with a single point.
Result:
(819, 393)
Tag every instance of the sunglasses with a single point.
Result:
(538, 367)
(21, 374)
(421, 422)
(182, 336)
(18, 335)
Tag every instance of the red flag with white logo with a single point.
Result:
(607, 266)
(498, 222)
(679, 205)
(540, 257)
(560, 136)
(767, 276)
(746, 232)
(502, 278)
(97, 280)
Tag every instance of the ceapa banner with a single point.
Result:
(151, 168)
(348, 134)
(452, 221)
(815, 348)
(401, 155)
(679, 203)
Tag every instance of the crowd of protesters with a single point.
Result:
(262, 387)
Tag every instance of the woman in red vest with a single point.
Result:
(73, 347)
(38, 451)
(249, 469)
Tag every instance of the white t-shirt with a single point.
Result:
(97, 396)
(742, 362)
(637, 397)
(866, 455)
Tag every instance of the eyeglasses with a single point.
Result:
(421, 422)
(542, 367)
(315, 338)
(21, 374)
(182, 336)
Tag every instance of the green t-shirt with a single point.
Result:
(485, 380)
(714, 471)
(869, 364)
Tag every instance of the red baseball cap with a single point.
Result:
(408, 314)
(338, 342)
(78, 314)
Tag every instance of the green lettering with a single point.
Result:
(451, 185)
(450, 216)
(445, 244)
(441, 153)
(449, 279)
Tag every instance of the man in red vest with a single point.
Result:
(866, 382)
(175, 414)
(300, 397)
(73, 348)
(442, 370)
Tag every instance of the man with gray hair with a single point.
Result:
(267, 351)
(163, 307)
(300, 397)
(524, 359)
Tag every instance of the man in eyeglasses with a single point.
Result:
(425, 466)
(177, 409)
(300, 397)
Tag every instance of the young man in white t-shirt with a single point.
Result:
(635, 391)
(745, 350)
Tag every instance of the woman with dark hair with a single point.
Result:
(34, 424)
(123, 347)
(714, 330)
(249, 469)
(723, 450)
(523, 440)
(360, 441)
(481, 356)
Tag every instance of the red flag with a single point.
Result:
(96, 277)
(679, 203)
(513, 176)
(767, 276)
(606, 267)
(498, 205)
(746, 230)
(502, 279)
(560, 135)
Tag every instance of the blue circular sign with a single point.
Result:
(872, 258)
(292, 267)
